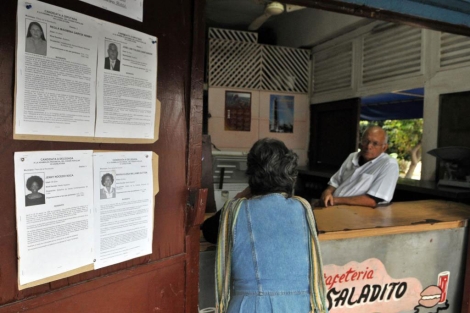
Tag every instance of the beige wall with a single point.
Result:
(242, 141)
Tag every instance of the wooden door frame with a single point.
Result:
(86, 283)
(196, 196)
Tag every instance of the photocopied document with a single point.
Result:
(131, 8)
(83, 77)
(123, 206)
(54, 212)
(56, 71)
(127, 83)
(81, 210)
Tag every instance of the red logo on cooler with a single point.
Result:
(443, 284)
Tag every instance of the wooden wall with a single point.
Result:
(164, 281)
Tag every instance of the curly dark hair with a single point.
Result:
(272, 167)
(33, 179)
(104, 177)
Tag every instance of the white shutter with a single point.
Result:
(332, 68)
(454, 51)
(390, 52)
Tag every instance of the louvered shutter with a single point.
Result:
(454, 51)
(332, 68)
(390, 52)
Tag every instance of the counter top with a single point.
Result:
(342, 221)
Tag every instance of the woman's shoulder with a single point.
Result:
(29, 41)
(33, 196)
(267, 200)
(233, 203)
(301, 201)
(279, 198)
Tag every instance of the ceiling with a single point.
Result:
(310, 26)
(239, 14)
(233, 14)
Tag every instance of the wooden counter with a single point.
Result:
(412, 243)
(405, 244)
(342, 221)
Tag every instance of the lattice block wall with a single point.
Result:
(233, 35)
(260, 67)
(285, 69)
(234, 64)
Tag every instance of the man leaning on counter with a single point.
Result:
(366, 178)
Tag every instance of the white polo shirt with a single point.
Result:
(377, 178)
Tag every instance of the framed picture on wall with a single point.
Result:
(238, 111)
(281, 114)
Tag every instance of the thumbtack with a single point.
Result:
(29, 6)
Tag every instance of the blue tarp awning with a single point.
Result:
(405, 104)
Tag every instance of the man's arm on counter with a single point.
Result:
(327, 199)
(327, 196)
(362, 200)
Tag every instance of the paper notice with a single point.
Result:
(54, 204)
(131, 8)
(127, 78)
(123, 205)
(55, 71)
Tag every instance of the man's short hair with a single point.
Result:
(386, 135)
